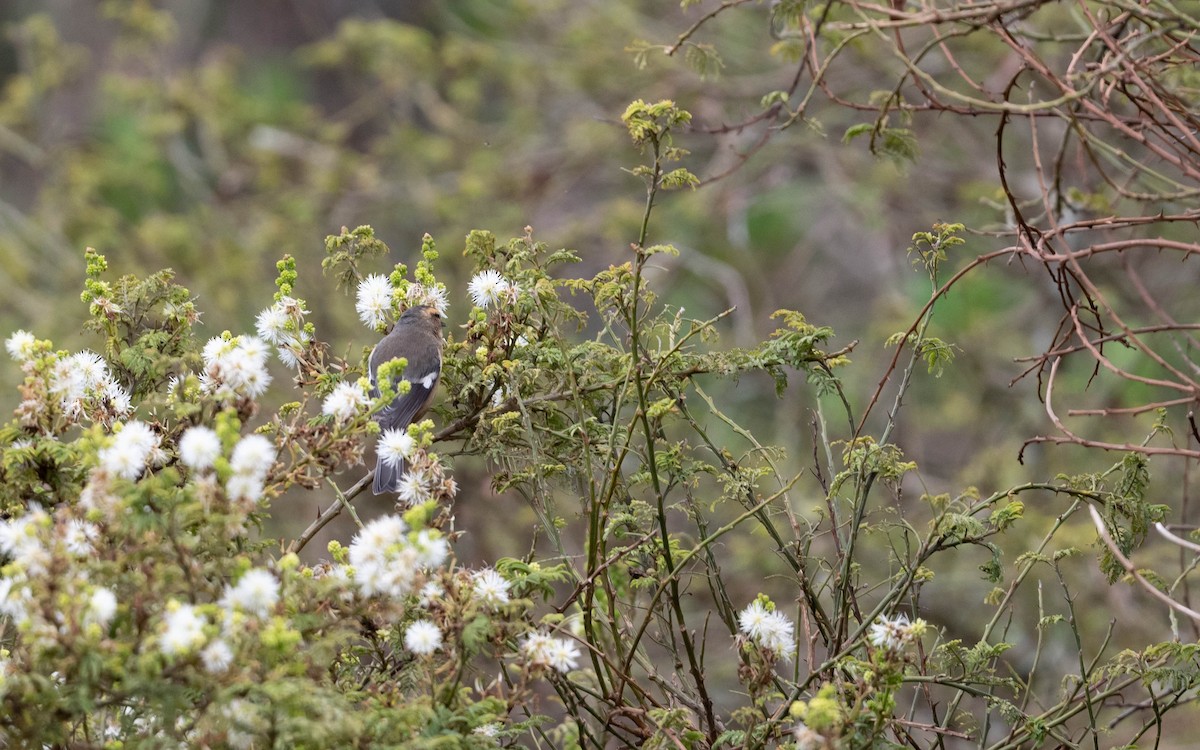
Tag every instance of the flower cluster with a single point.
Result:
(895, 633)
(182, 629)
(387, 559)
(424, 476)
(768, 628)
(133, 447)
(235, 367)
(282, 324)
(251, 460)
(36, 544)
(433, 295)
(84, 386)
(559, 654)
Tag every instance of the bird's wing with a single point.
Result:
(404, 409)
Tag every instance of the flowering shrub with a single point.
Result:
(143, 608)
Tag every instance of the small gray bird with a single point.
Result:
(417, 337)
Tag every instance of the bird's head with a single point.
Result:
(423, 316)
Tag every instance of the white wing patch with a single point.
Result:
(428, 381)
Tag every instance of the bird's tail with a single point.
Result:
(387, 476)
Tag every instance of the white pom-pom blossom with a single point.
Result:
(235, 368)
(432, 548)
(216, 657)
(182, 629)
(346, 401)
(16, 600)
(488, 288)
(769, 629)
(387, 562)
(256, 593)
(272, 324)
(559, 654)
(282, 324)
(414, 487)
(78, 535)
(101, 607)
(251, 460)
(22, 543)
(130, 450)
(20, 345)
(374, 302)
(199, 448)
(434, 296)
(395, 446)
(422, 638)
(895, 633)
(490, 588)
(253, 454)
(429, 593)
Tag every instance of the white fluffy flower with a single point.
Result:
(893, 634)
(253, 456)
(373, 540)
(16, 600)
(422, 638)
(78, 537)
(126, 456)
(216, 657)
(235, 367)
(183, 629)
(771, 630)
(118, 398)
(346, 401)
(490, 588)
(199, 448)
(282, 324)
(563, 655)
(414, 488)
(429, 593)
(535, 647)
(101, 608)
(244, 488)
(395, 446)
(383, 560)
(20, 345)
(256, 593)
(434, 296)
(272, 324)
(487, 288)
(432, 548)
(21, 541)
(90, 368)
(83, 384)
(560, 654)
(374, 303)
